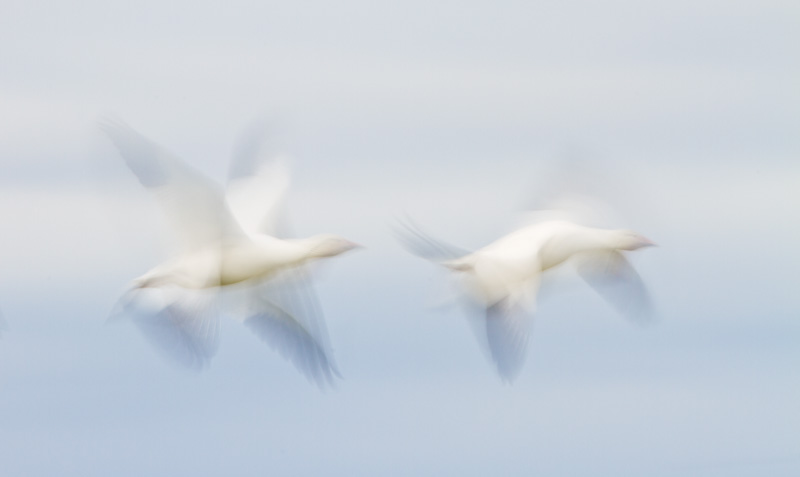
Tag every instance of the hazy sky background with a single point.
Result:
(452, 112)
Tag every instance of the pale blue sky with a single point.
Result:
(452, 112)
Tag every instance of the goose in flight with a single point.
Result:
(502, 279)
(227, 238)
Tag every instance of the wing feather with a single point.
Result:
(194, 205)
(285, 314)
(615, 279)
(258, 183)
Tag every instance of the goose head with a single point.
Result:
(329, 245)
(630, 240)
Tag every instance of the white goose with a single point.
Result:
(503, 278)
(227, 241)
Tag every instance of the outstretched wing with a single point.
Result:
(183, 326)
(285, 314)
(507, 331)
(613, 277)
(502, 327)
(194, 205)
(575, 189)
(258, 182)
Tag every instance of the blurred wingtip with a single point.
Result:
(259, 147)
(329, 382)
(507, 336)
(111, 124)
(507, 379)
(121, 309)
(419, 243)
(645, 317)
(285, 335)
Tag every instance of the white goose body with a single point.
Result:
(504, 277)
(510, 265)
(259, 257)
(227, 238)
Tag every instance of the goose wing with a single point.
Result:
(285, 314)
(423, 245)
(194, 205)
(258, 183)
(181, 324)
(507, 333)
(615, 279)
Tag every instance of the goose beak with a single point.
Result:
(354, 245)
(646, 242)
